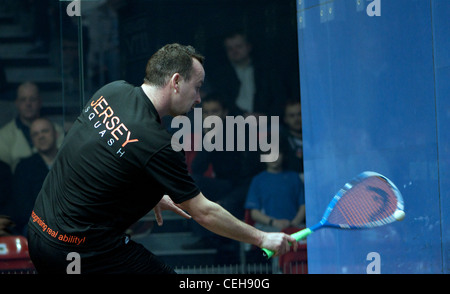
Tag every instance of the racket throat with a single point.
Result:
(316, 227)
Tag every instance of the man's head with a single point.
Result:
(214, 104)
(28, 102)
(169, 60)
(179, 69)
(238, 48)
(293, 115)
(43, 135)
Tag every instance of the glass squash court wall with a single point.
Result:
(375, 79)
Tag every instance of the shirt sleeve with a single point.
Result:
(253, 201)
(169, 169)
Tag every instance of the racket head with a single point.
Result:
(369, 200)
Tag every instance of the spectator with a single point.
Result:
(15, 140)
(276, 197)
(245, 79)
(291, 136)
(31, 171)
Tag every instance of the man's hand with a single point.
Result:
(279, 243)
(167, 204)
(281, 223)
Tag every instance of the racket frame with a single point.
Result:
(302, 234)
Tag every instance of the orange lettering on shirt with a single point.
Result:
(128, 140)
(118, 130)
(107, 113)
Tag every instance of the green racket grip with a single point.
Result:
(300, 235)
(297, 236)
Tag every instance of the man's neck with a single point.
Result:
(274, 170)
(49, 156)
(26, 122)
(243, 63)
(296, 134)
(157, 97)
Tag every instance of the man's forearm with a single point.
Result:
(221, 222)
(260, 217)
(215, 218)
(218, 220)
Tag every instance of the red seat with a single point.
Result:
(14, 255)
(294, 262)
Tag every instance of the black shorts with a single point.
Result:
(130, 258)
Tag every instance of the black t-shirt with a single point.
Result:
(114, 166)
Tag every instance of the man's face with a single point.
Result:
(237, 49)
(293, 117)
(188, 92)
(277, 164)
(213, 108)
(43, 135)
(28, 102)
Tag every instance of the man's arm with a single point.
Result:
(218, 220)
(260, 217)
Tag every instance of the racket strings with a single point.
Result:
(368, 203)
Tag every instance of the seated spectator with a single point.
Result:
(15, 140)
(291, 136)
(31, 171)
(276, 197)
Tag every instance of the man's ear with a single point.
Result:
(174, 82)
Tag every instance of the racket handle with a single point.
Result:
(297, 235)
(300, 235)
